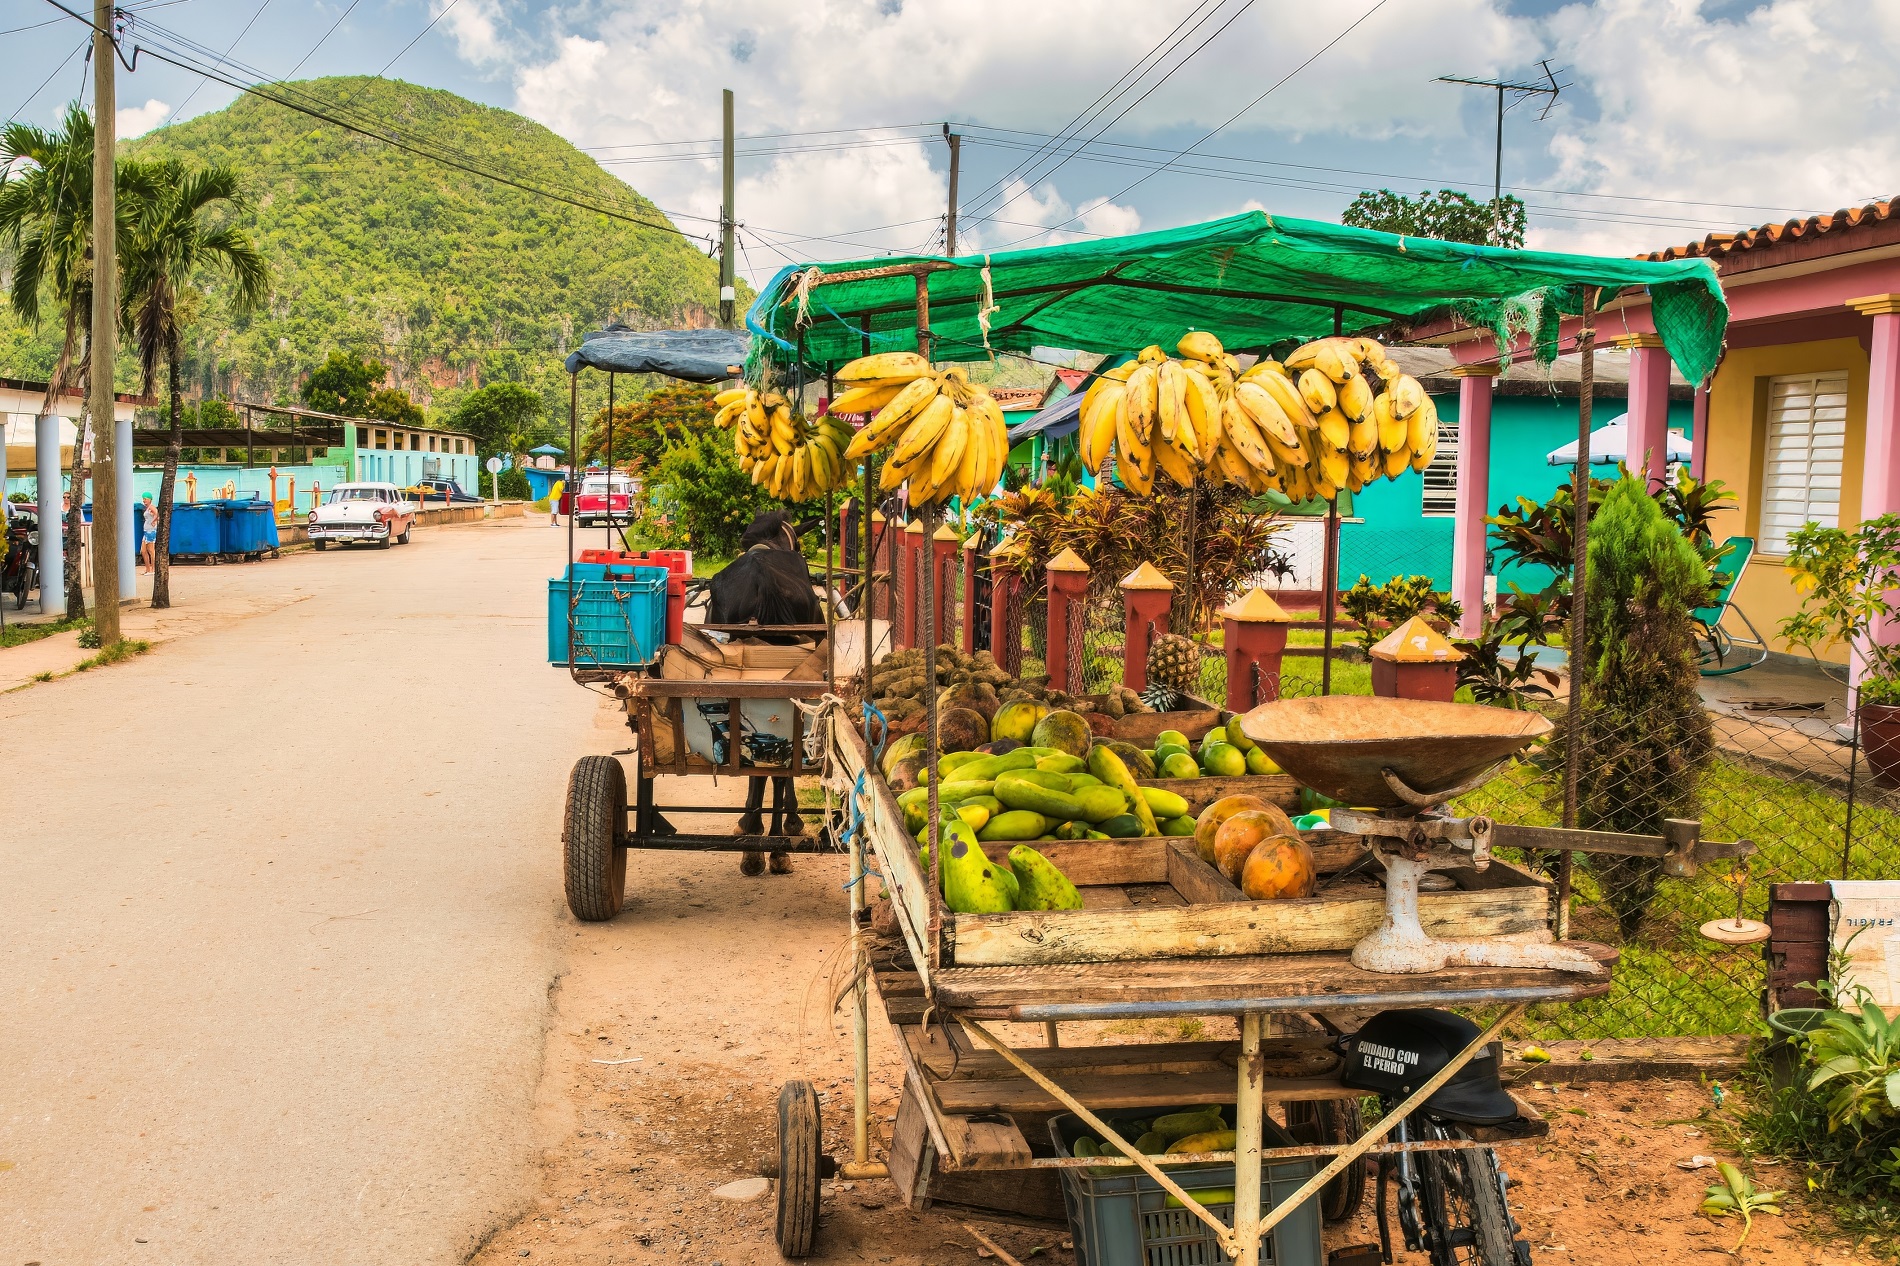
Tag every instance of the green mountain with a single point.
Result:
(448, 278)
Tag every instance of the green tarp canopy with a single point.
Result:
(1253, 280)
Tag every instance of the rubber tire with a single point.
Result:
(801, 1164)
(404, 538)
(386, 542)
(1475, 1173)
(1332, 1121)
(320, 546)
(594, 839)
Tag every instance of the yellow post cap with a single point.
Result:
(1146, 576)
(915, 525)
(1257, 607)
(1067, 560)
(1416, 642)
(944, 533)
(1008, 547)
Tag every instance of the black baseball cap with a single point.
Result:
(1398, 1051)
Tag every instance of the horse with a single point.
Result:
(767, 583)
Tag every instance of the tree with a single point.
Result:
(500, 416)
(46, 226)
(700, 498)
(343, 384)
(645, 429)
(1448, 215)
(171, 241)
(391, 405)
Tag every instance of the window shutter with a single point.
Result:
(1801, 470)
(1441, 477)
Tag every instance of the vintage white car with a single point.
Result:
(362, 512)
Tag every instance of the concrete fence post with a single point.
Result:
(1006, 625)
(1254, 632)
(1414, 661)
(910, 555)
(969, 595)
(1147, 596)
(1068, 589)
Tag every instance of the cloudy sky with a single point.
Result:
(1679, 116)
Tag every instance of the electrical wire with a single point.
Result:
(291, 73)
(412, 43)
(34, 95)
(227, 53)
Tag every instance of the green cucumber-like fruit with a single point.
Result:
(1179, 1125)
(1123, 826)
(1015, 824)
(1163, 803)
(1107, 766)
(1021, 793)
(1183, 825)
(1062, 763)
(1101, 803)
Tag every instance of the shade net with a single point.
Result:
(1253, 280)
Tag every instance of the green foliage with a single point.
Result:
(1380, 608)
(644, 429)
(1449, 215)
(503, 416)
(700, 499)
(343, 384)
(1857, 1056)
(390, 405)
(1735, 1196)
(1846, 578)
(1648, 736)
(514, 485)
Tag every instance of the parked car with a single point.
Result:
(597, 503)
(440, 488)
(363, 512)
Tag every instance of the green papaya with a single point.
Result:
(1179, 1125)
(1014, 824)
(1078, 781)
(951, 761)
(904, 748)
(1063, 730)
(1139, 763)
(978, 817)
(1062, 763)
(1040, 885)
(1163, 803)
(1209, 1196)
(1183, 825)
(1151, 1144)
(1017, 720)
(1086, 1146)
(1123, 826)
(1107, 766)
(987, 767)
(1100, 803)
(972, 883)
(1019, 791)
(1044, 778)
(964, 788)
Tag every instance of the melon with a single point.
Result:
(1139, 763)
(1214, 815)
(1238, 835)
(976, 696)
(906, 773)
(962, 730)
(1017, 721)
(1280, 866)
(1065, 732)
(908, 745)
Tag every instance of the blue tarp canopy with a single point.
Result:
(1059, 419)
(692, 355)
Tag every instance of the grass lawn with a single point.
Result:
(21, 634)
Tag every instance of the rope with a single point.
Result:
(806, 280)
(988, 306)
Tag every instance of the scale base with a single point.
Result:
(1401, 948)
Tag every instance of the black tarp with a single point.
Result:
(692, 355)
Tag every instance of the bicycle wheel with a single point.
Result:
(1466, 1221)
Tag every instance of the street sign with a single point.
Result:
(494, 465)
(494, 477)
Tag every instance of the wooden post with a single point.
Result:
(909, 555)
(1068, 587)
(1146, 597)
(1006, 628)
(1414, 661)
(1255, 630)
(969, 595)
(944, 544)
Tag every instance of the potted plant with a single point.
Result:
(1847, 579)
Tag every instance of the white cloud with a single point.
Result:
(1779, 107)
(138, 120)
(475, 26)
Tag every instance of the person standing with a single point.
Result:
(148, 537)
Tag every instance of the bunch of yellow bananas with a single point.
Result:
(1308, 427)
(949, 433)
(791, 458)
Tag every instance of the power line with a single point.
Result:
(227, 52)
(412, 43)
(32, 96)
(320, 43)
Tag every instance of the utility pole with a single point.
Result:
(1550, 88)
(728, 295)
(950, 219)
(105, 310)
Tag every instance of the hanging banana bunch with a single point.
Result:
(1337, 413)
(949, 434)
(790, 457)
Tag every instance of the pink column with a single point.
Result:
(1699, 440)
(1880, 478)
(1648, 405)
(969, 595)
(1474, 492)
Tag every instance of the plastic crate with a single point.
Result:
(1121, 1217)
(617, 615)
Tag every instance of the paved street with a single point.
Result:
(283, 911)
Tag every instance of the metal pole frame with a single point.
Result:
(610, 461)
(1579, 584)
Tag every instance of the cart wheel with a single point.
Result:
(594, 838)
(1332, 1121)
(800, 1167)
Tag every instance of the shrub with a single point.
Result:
(514, 485)
(699, 499)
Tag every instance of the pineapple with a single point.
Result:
(1174, 670)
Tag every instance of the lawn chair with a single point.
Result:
(1717, 644)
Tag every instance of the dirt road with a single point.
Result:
(282, 917)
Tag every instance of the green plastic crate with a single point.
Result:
(1123, 1218)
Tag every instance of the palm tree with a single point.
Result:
(46, 225)
(171, 240)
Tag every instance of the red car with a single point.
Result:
(598, 503)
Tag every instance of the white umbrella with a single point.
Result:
(1610, 443)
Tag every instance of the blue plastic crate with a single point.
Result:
(617, 615)
(1121, 1217)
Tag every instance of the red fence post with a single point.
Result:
(1146, 597)
(909, 551)
(943, 551)
(1255, 640)
(878, 559)
(1414, 661)
(1006, 625)
(969, 595)
(1068, 588)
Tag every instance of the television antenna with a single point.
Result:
(1523, 91)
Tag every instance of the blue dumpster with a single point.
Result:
(246, 528)
(195, 530)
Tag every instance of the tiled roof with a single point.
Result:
(1719, 245)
